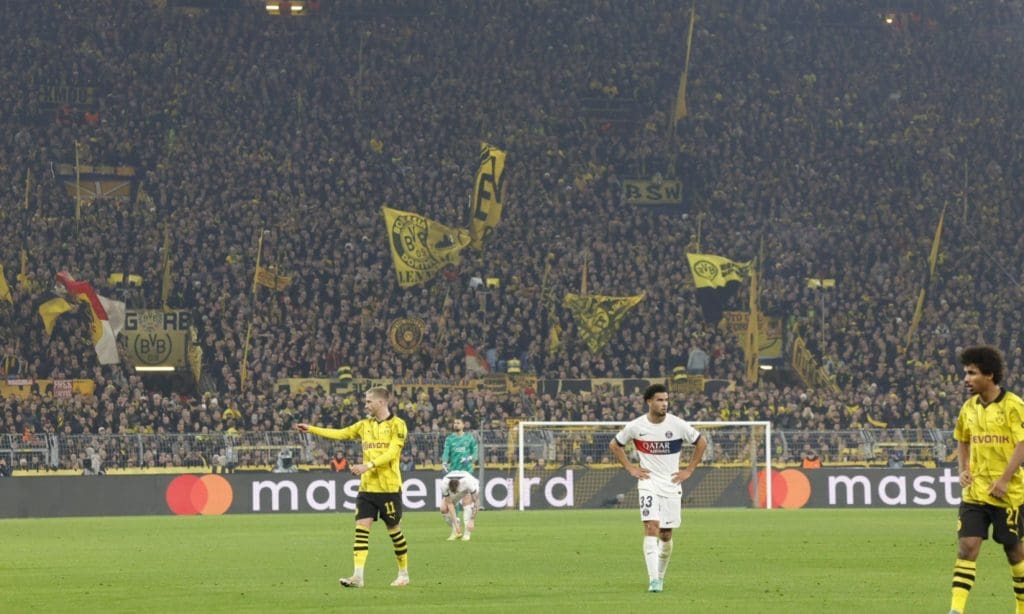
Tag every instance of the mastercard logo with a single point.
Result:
(790, 489)
(209, 495)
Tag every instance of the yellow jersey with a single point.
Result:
(382, 441)
(992, 431)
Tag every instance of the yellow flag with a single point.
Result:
(933, 258)
(715, 271)
(5, 290)
(598, 317)
(488, 195)
(268, 277)
(554, 338)
(51, 310)
(681, 111)
(421, 247)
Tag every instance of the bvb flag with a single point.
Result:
(716, 279)
(488, 195)
(598, 317)
(421, 247)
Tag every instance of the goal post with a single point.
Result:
(574, 456)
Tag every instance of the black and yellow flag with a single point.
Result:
(554, 338)
(268, 277)
(716, 279)
(406, 334)
(488, 195)
(933, 259)
(421, 247)
(5, 290)
(680, 111)
(51, 310)
(550, 304)
(598, 317)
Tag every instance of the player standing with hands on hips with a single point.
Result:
(659, 437)
(990, 448)
(380, 480)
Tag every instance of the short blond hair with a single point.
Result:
(380, 392)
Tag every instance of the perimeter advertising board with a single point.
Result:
(565, 488)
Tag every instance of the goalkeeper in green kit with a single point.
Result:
(459, 449)
(460, 453)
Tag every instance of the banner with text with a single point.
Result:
(157, 338)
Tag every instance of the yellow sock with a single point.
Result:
(1018, 585)
(401, 548)
(963, 581)
(361, 549)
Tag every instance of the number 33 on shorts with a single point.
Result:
(646, 506)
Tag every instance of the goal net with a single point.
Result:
(569, 464)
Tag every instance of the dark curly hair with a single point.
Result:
(988, 359)
(654, 389)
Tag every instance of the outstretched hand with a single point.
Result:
(302, 427)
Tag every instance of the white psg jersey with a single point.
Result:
(468, 485)
(659, 446)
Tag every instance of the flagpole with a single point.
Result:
(259, 254)
(933, 257)
(752, 329)
(165, 291)
(78, 190)
(243, 377)
(700, 219)
(28, 186)
(583, 278)
(965, 191)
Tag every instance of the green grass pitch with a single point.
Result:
(542, 561)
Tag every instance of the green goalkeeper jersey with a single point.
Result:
(459, 452)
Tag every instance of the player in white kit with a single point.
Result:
(460, 486)
(658, 437)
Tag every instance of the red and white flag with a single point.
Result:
(107, 316)
(475, 363)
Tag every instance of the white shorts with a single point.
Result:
(667, 511)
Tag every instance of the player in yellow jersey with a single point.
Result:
(990, 449)
(380, 481)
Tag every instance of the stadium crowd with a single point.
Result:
(831, 137)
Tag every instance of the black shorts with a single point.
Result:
(384, 505)
(976, 518)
